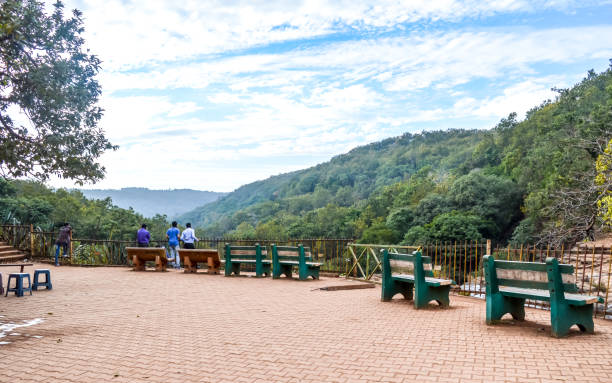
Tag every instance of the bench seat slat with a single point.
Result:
(429, 280)
(248, 260)
(287, 262)
(544, 295)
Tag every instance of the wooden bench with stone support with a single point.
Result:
(140, 255)
(284, 258)
(256, 255)
(408, 273)
(191, 257)
(510, 283)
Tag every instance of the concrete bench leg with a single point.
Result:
(190, 267)
(138, 264)
(211, 266)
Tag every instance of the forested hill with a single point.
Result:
(151, 202)
(522, 181)
(345, 179)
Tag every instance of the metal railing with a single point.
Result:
(462, 262)
(329, 251)
(459, 261)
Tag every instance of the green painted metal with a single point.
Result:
(232, 266)
(568, 287)
(498, 304)
(283, 264)
(423, 292)
(564, 312)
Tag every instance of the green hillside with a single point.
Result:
(510, 182)
(346, 178)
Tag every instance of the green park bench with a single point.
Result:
(510, 283)
(403, 273)
(284, 258)
(238, 255)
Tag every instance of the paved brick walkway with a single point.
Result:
(115, 325)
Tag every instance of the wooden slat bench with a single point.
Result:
(284, 258)
(403, 273)
(237, 255)
(191, 257)
(510, 283)
(140, 255)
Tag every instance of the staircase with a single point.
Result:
(9, 254)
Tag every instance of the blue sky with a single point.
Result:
(214, 94)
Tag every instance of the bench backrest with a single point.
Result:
(146, 253)
(404, 264)
(291, 253)
(245, 252)
(529, 275)
(412, 264)
(199, 253)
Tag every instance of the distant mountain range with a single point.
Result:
(150, 202)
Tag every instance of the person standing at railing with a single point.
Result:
(143, 237)
(63, 240)
(188, 237)
(173, 244)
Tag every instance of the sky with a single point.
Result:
(211, 95)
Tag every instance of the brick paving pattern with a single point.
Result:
(115, 325)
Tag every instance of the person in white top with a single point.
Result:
(188, 237)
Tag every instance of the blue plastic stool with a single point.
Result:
(46, 283)
(19, 289)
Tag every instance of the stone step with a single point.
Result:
(11, 258)
(11, 251)
(9, 254)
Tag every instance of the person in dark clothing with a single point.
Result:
(143, 237)
(63, 241)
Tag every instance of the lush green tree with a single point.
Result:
(416, 236)
(244, 231)
(401, 219)
(491, 197)
(380, 233)
(48, 95)
(431, 206)
(457, 226)
(604, 182)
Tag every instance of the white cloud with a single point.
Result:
(129, 34)
(408, 63)
(216, 94)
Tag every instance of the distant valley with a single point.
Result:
(150, 202)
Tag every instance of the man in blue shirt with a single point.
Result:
(143, 237)
(173, 244)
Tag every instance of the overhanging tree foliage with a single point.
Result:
(48, 95)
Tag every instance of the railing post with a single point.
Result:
(488, 247)
(31, 240)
